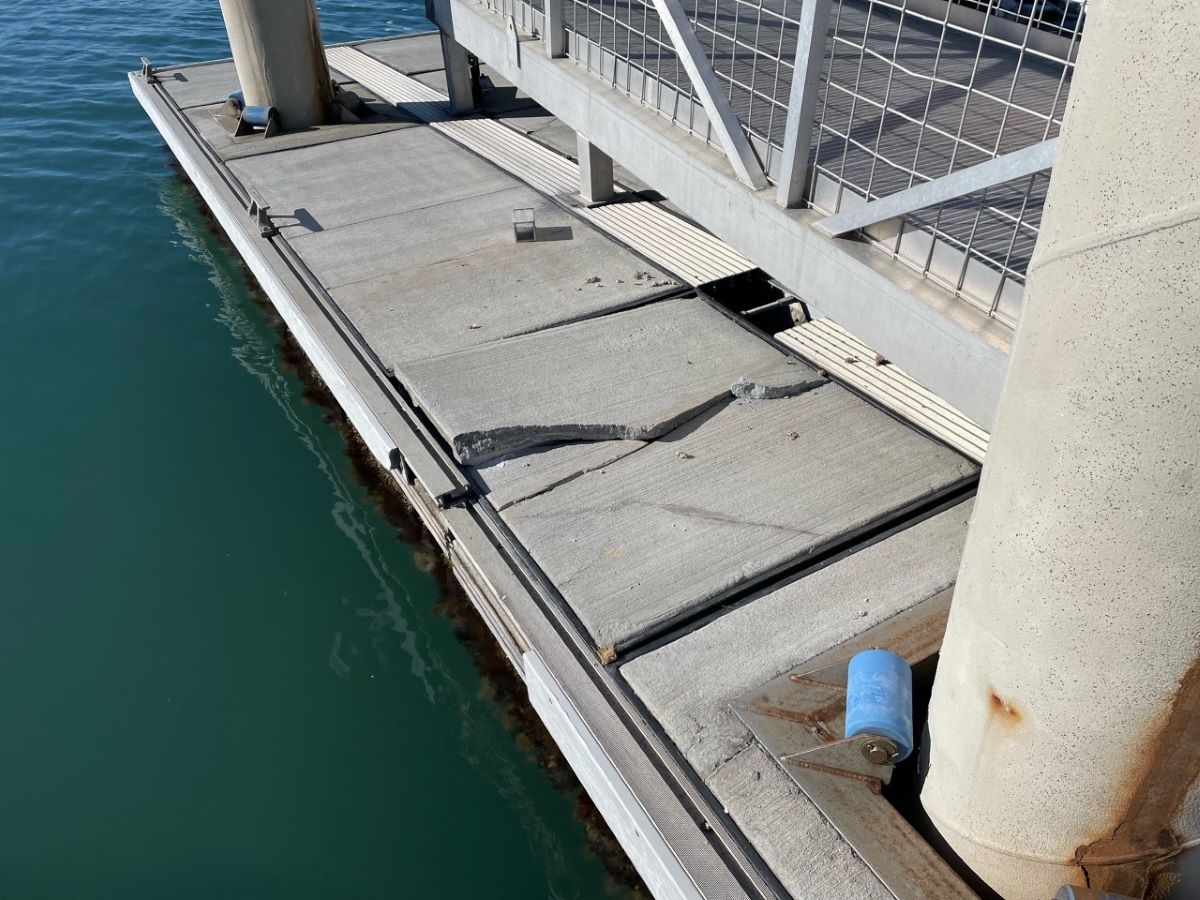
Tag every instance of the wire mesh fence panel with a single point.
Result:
(623, 42)
(911, 91)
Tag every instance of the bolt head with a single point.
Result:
(880, 751)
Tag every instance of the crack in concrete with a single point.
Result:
(479, 447)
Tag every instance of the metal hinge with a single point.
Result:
(259, 213)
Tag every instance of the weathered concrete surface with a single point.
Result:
(458, 280)
(411, 54)
(726, 498)
(514, 478)
(1066, 708)
(804, 851)
(914, 323)
(689, 683)
(632, 375)
(385, 118)
(427, 265)
(200, 85)
(412, 170)
(688, 686)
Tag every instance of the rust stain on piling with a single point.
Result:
(1004, 711)
(1134, 855)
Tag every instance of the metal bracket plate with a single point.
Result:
(259, 212)
(799, 719)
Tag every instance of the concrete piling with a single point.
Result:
(280, 58)
(459, 83)
(1064, 716)
(595, 173)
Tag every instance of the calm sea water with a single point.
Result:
(223, 673)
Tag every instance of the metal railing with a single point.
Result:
(911, 90)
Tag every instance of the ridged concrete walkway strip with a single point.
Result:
(830, 346)
(656, 234)
(692, 253)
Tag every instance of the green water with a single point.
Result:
(223, 672)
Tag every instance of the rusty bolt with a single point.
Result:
(880, 751)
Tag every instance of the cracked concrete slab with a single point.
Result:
(422, 257)
(802, 848)
(687, 686)
(516, 477)
(631, 375)
(689, 683)
(768, 385)
(722, 501)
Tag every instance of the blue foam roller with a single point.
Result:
(238, 99)
(879, 698)
(257, 115)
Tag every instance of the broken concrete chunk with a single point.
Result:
(776, 383)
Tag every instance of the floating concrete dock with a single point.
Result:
(655, 505)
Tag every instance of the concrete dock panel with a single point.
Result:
(632, 375)
(410, 54)
(385, 118)
(423, 260)
(199, 85)
(410, 169)
(384, 246)
(725, 499)
(517, 477)
(490, 290)
(804, 851)
(689, 683)
(687, 686)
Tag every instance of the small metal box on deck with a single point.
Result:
(524, 228)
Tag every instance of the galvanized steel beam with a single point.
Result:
(802, 101)
(1008, 167)
(721, 116)
(554, 29)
